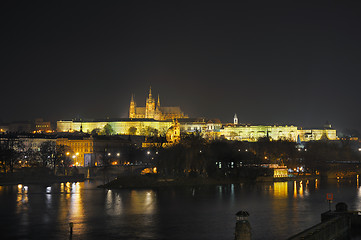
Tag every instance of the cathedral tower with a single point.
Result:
(153, 109)
(132, 108)
(150, 105)
(235, 119)
(158, 103)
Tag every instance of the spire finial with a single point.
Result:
(150, 92)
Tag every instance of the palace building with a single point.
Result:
(156, 120)
(154, 110)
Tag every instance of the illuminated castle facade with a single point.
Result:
(145, 121)
(153, 110)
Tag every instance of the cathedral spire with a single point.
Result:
(150, 92)
(158, 103)
(132, 107)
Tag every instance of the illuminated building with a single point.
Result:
(153, 110)
(88, 151)
(316, 134)
(172, 135)
(119, 126)
(154, 120)
(80, 150)
(34, 142)
(252, 133)
(41, 126)
(280, 172)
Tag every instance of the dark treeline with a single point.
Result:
(20, 153)
(14, 155)
(195, 156)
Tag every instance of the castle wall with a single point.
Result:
(252, 133)
(119, 127)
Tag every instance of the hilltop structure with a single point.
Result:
(153, 110)
(154, 120)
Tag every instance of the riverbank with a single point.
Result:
(152, 181)
(39, 179)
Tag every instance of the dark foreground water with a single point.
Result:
(277, 210)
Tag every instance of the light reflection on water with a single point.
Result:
(277, 210)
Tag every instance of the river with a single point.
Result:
(277, 210)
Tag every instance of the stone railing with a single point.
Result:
(335, 228)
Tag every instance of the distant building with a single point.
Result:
(119, 126)
(37, 126)
(87, 151)
(251, 133)
(4, 128)
(34, 141)
(20, 127)
(153, 110)
(315, 134)
(42, 127)
(80, 149)
(172, 137)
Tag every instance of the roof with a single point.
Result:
(140, 110)
(171, 110)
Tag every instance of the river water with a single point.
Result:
(277, 210)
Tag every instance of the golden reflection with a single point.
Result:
(307, 192)
(316, 184)
(294, 189)
(280, 189)
(301, 189)
(357, 182)
(22, 198)
(280, 204)
(76, 210)
(142, 202)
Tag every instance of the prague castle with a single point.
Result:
(158, 120)
(153, 110)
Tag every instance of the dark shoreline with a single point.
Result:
(139, 182)
(4, 181)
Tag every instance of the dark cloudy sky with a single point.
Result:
(269, 63)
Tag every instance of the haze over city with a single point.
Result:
(270, 63)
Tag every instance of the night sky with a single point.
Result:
(289, 63)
